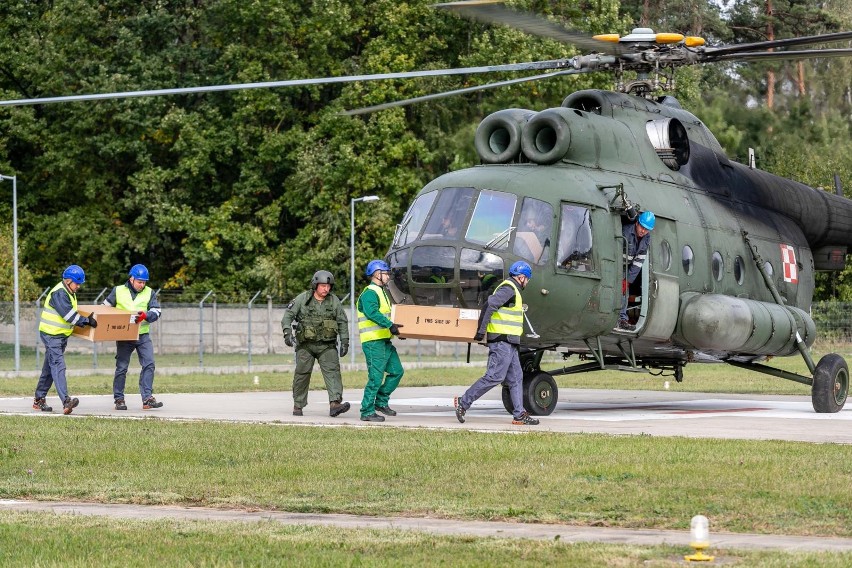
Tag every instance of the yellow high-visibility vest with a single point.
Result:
(51, 322)
(508, 320)
(368, 329)
(123, 301)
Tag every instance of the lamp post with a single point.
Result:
(352, 318)
(15, 263)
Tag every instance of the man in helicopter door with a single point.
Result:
(637, 236)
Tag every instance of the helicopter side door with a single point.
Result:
(660, 284)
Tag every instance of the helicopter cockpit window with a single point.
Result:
(718, 265)
(413, 221)
(575, 239)
(448, 216)
(398, 285)
(532, 239)
(491, 224)
(688, 260)
(433, 265)
(739, 270)
(665, 255)
(479, 273)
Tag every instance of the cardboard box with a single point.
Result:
(437, 323)
(113, 324)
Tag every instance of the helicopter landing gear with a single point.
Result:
(831, 384)
(540, 394)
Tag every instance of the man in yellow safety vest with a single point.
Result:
(501, 324)
(135, 296)
(58, 318)
(384, 369)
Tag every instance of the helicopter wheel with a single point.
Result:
(507, 399)
(540, 394)
(831, 384)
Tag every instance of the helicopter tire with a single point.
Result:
(831, 384)
(540, 394)
(507, 399)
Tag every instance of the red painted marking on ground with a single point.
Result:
(710, 410)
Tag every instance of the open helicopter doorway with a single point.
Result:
(656, 308)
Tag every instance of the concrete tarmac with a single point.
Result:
(655, 413)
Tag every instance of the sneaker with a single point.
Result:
(69, 405)
(624, 325)
(120, 405)
(373, 418)
(297, 411)
(386, 410)
(151, 403)
(460, 412)
(525, 420)
(41, 404)
(336, 408)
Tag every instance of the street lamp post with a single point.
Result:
(15, 262)
(352, 317)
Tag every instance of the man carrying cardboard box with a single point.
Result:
(58, 318)
(135, 296)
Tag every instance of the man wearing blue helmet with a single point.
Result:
(637, 237)
(58, 318)
(135, 296)
(384, 369)
(501, 324)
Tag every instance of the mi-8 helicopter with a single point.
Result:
(730, 274)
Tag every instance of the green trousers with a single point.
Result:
(384, 371)
(329, 363)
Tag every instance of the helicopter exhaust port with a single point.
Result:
(498, 136)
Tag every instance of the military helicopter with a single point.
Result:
(554, 188)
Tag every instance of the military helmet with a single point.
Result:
(322, 277)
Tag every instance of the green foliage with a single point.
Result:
(27, 289)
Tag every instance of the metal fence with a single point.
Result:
(250, 334)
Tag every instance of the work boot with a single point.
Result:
(386, 410)
(120, 405)
(460, 412)
(336, 408)
(525, 420)
(150, 403)
(624, 325)
(69, 405)
(297, 411)
(373, 418)
(41, 404)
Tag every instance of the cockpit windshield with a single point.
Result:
(491, 224)
(448, 217)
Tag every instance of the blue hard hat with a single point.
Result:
(139, 272)
(75, 274)
(647, 220)
(374, 265)
(520, 267)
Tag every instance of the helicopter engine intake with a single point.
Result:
(498, 136)
(716, 322)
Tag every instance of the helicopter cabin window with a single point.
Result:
(532, 239)
(398, 285)
(575, 239)
(767, 266)
(411, 224)
(479, 273)
(447, 219)
(665, 255)
(717, 264)
(688, 260)
(739, 270)
(491, 224)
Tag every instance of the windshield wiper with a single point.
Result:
(400, 229)
(500, 238)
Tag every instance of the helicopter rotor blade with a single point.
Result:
(494, 12)
(528, 66)
(414, 100)
(784, 55)
(806, 40)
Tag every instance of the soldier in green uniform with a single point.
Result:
(319, 320)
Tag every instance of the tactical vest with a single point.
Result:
(312, 325)
(51, 322)
(508, 320)
(367, 328)
(124, 301)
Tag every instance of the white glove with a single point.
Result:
(133, 318)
